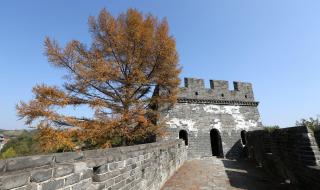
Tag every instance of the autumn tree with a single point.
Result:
(129, 71)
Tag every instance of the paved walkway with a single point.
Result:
(220, 174)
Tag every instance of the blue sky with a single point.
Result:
(273, 44)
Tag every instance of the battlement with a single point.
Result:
(219, 90)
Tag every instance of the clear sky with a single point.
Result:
(273, 44)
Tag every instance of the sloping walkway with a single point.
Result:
(220, 174)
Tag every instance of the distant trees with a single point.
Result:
(311, 123)
(129, 71)
(22, 145)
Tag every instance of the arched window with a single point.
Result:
(243, 137)
(183, 134)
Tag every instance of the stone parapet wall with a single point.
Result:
(219, 90)
(144, 167)
(290, 154)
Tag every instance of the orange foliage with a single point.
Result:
(130, 70)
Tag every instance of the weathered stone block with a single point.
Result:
(26, 187)
(101, 185)
(118, 178)
(62, 170)
(21, 163)
(40, 175)
(115, 165)
(93, 186)
(130, 179)
(14, 181)
(109, 183)
(91, 163)
(117, 186)
(80, 167)
(67, 188)
(30, 186)
(2, 165)
(105, 176)
(51, 185)
(87, 174)
(85, 185)
(88, 154)
(70, 180)
(131, 161)
(68, 156)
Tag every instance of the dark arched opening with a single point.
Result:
(216, 143)
(183, 134)
(243, 137)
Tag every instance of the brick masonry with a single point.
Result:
(140, 167)
(291, 154)
(200, 109)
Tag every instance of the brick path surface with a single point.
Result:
(221, 174)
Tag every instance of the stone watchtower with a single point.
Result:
(213, 121)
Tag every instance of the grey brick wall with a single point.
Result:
(199, 110)
(144, 167)
(290, 154)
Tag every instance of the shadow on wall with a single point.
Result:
(245, 175)
(237, 151)
(289, 154)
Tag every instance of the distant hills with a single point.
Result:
(13, 133)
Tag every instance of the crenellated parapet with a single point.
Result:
(194, 90)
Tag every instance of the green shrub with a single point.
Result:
(270, 129)
(9, 153)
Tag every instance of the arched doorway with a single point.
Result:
(183, 134)
(243, 137)
(216, 144)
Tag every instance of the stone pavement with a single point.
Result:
(221, 174)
